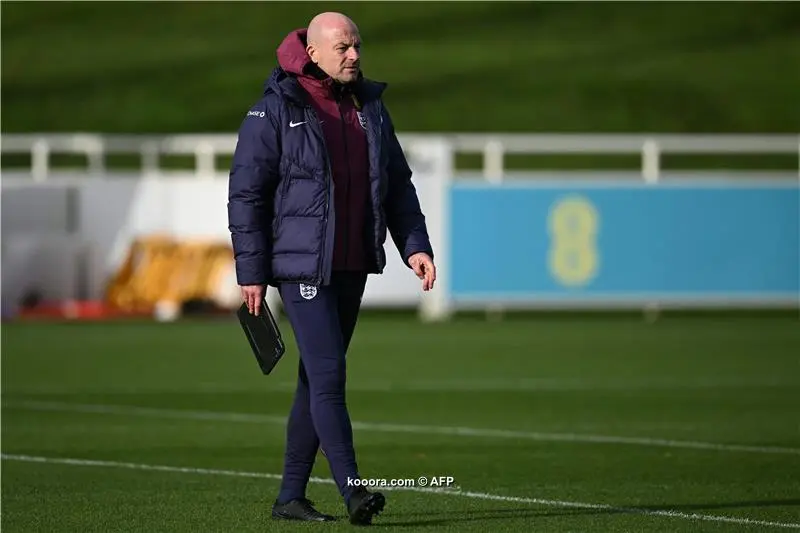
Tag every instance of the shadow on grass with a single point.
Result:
(435, 518)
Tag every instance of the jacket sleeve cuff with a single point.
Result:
(252, 271)
(415, 245)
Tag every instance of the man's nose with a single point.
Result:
(353, 54)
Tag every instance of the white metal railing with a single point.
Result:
(494, 147)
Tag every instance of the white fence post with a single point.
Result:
(149, 158)
(438, 158)
(205, 160)
(493, 155)
(40, 156)
(650, 172)
(493, 170)
(95, 155)
(651, 161)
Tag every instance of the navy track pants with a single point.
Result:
(323, 320)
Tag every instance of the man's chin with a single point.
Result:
(349, 76)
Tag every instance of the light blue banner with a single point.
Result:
(623, 242)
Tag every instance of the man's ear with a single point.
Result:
(312, 52)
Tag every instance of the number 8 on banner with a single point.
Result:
(573, 227)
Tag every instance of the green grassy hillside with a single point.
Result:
(188, 67)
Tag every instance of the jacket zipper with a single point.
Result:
(321, 268)
(346, 188)
(377, 208)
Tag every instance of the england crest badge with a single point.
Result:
(362, 119)
(308, 291)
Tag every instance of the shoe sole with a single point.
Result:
(278, 516)
(371, 506)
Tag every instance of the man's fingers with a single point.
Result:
(424, 269)
(253, 296)
(431, 275)
(246, 299)
(417, 266)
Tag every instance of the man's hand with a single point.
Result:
(424, 269)
(253, 295)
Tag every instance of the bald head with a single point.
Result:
(335, 46)
(324, 23)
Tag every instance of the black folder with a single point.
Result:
(263, 335)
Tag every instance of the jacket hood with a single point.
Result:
(293, 62)
(292, 55)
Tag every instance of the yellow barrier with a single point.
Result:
(161, 269)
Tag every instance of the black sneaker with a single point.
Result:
(299, 509)
(364, 505)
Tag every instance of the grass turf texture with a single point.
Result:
(483, 66)
(716, 379)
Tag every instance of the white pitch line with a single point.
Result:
(487, 384)
(252, 418)
(448, 492)
(557, 384)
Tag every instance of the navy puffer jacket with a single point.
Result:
(280, 196)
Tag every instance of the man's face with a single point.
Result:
(338, 53)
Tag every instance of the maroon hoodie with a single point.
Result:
(346, 141)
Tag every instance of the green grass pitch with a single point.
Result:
(546, 423)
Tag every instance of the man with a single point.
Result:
(318, 178)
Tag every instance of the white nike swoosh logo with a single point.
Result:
(295, 124)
